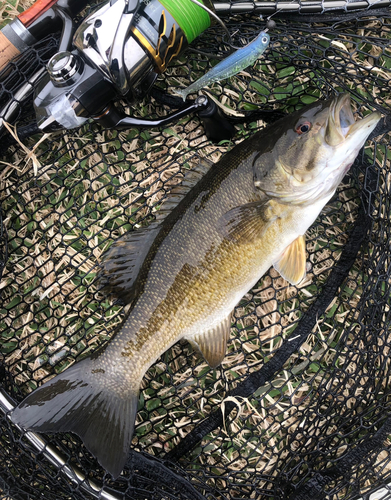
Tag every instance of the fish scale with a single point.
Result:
(185, 275)
(186, 285)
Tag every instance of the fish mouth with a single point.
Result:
(341, 124)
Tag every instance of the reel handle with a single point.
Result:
(215, 123)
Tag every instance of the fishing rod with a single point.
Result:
(116, 53)
(44, 16)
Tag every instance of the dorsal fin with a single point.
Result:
(179, 191)
(121, 263)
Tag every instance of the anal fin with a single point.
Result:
(212, 343)
(292, 263)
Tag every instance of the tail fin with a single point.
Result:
(80, 400)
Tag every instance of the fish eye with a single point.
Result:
(302, 128)
(264, 39)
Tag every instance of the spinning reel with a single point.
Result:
(115, 53)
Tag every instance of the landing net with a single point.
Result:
(301, 406)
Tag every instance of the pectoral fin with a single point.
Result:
(292, 263)
(247, 222)
(212, 343)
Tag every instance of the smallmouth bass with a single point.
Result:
(184, 275)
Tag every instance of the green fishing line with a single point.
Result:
(191, 18)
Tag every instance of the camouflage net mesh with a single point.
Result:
(301, 407)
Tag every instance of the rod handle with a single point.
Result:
(12, 44)
(7, 51)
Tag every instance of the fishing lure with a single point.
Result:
(231, 65)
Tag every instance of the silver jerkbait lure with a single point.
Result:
(231, 65)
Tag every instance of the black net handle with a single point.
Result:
(312, 7)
